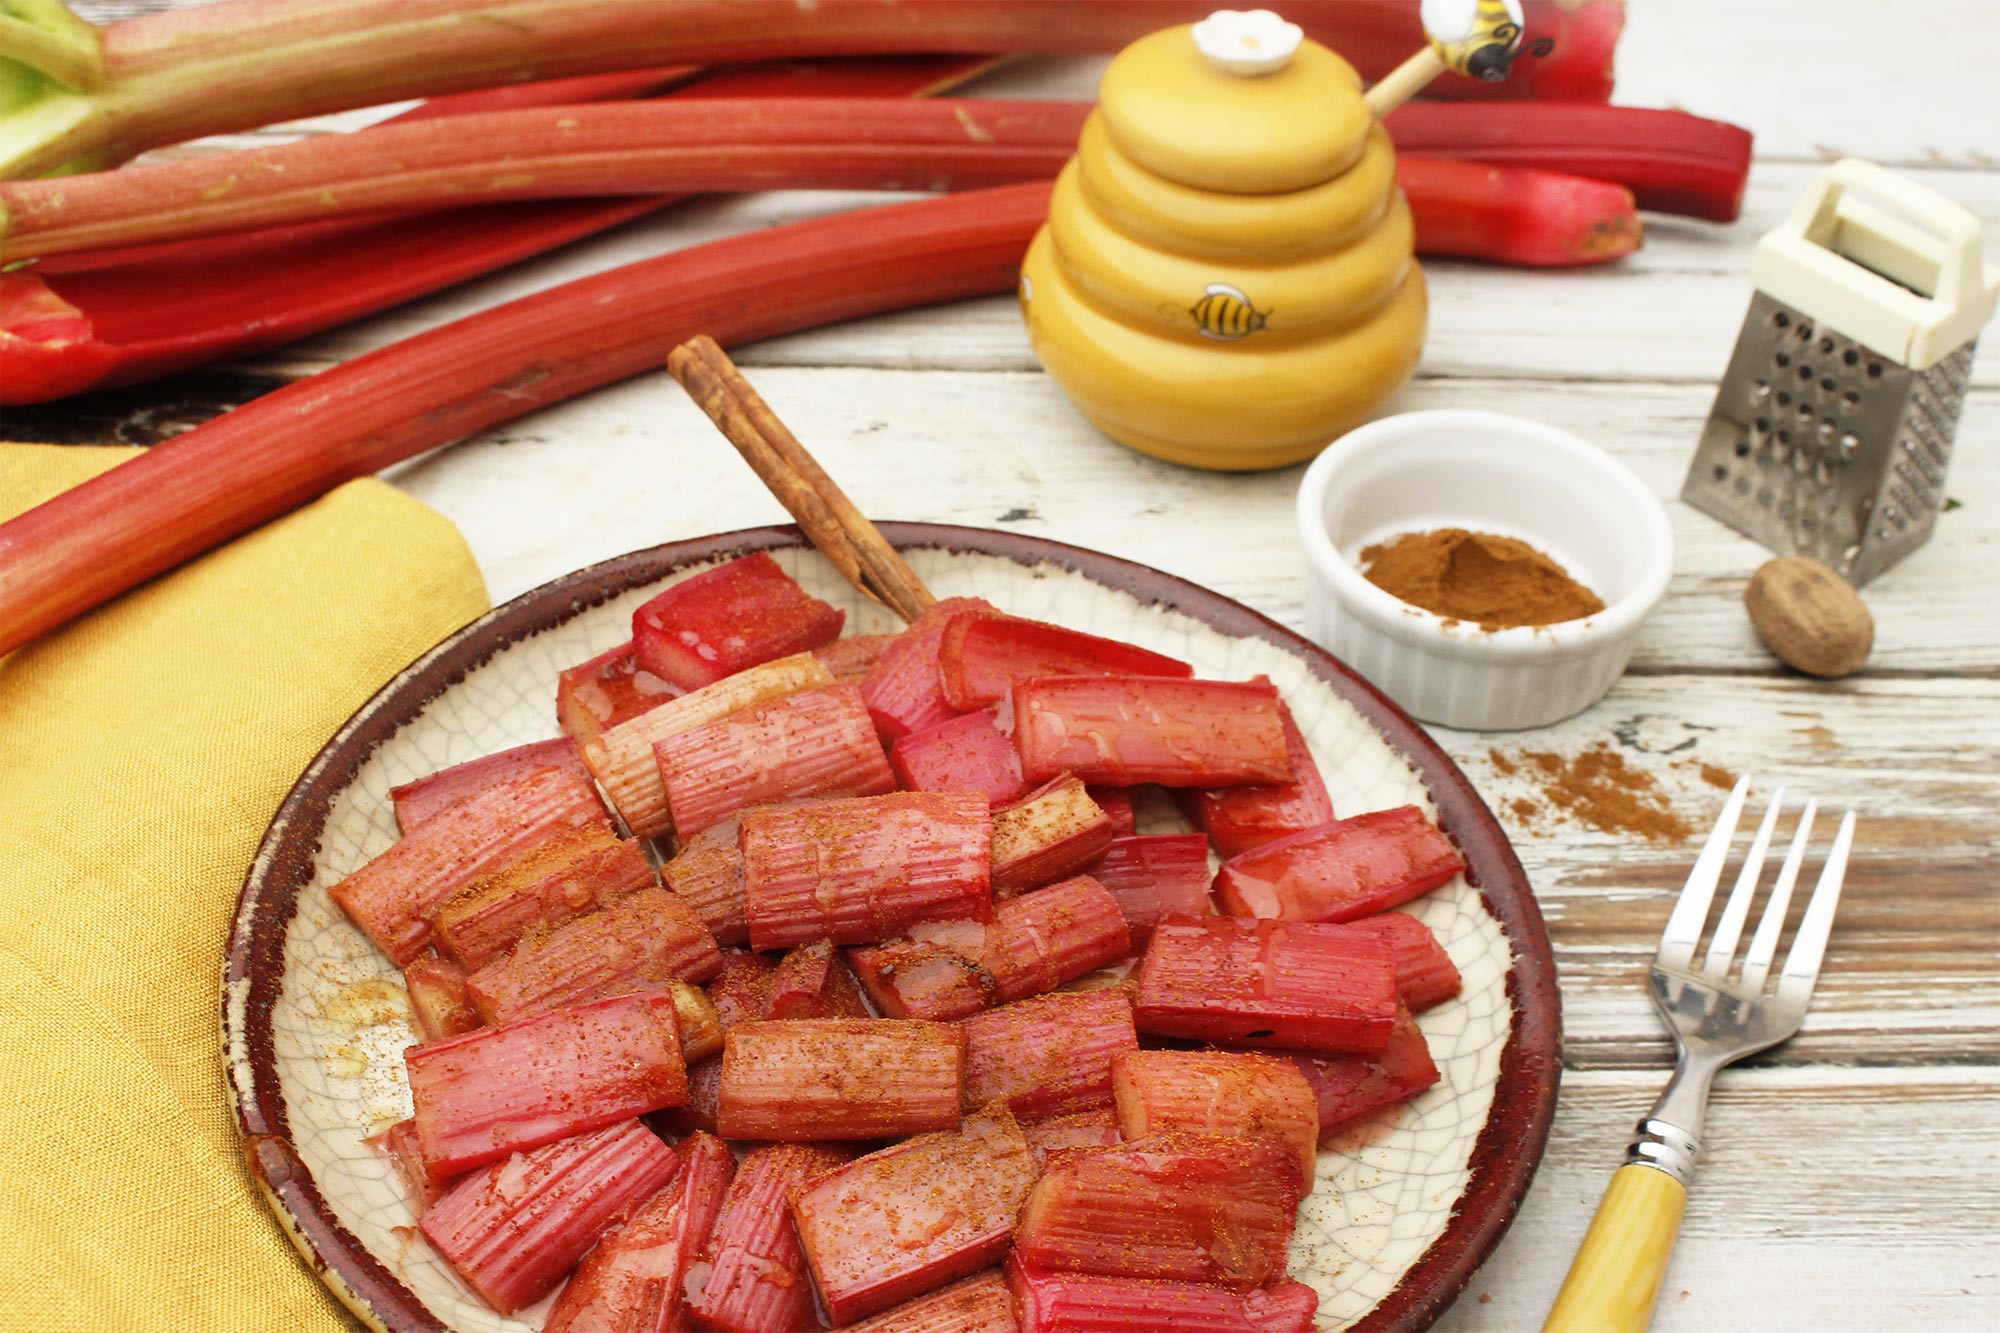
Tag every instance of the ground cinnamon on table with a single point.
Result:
(1596, 787)
(1495, 582)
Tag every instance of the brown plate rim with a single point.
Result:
(1504, 1156)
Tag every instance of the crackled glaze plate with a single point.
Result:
(315, 1019)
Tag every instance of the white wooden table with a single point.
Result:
(1851, 1175)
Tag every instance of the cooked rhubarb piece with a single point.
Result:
(399, 1143)
(912, 978)
(977, 1305)
(419, 800)
(982, 658)
(508, 1089)
(903, 691)
(852, 659)
(966, 753)
(738, 615)
(863, 870)
(1042, 939)
(806, 1079)
(631, 1283)
(1192, 1207)
(708, 877)
(622, 759)
(1342, 871)
(1118, 730)
(1353, 1087)
(1085, 1129)
(392, 897)
(1425, 974)
(1050, 1300)
(704, 1101)
(438, 1004)
(1049, 1056)
(643, 940)
(1154, 877)
(1239, 818)
(1116, 802)
(1217, 1092)
(751, 1277)
(701, 1025)
(912, 1217)
(514, 1229)
(1047, 835)
(814, 981)
(608, 689)
(741, 989)
(568, 874)
(1284, 984)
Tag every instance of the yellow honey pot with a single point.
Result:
(1227, 278)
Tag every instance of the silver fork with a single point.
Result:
(1716, 1020)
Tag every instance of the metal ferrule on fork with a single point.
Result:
(1667, 1147)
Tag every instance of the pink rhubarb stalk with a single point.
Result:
(420, 798)
(1051, 833)
(739, 614)
(642, 940)
(572, 872)
(751, 1277)
(1049, 1056)
(814, 1079)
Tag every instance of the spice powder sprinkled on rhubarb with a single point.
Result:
(1492, 581)
(1597, 788)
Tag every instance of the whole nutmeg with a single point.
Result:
(1810, 617)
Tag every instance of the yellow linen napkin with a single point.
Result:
(143, 749)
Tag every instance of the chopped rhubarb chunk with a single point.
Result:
(392, 897)
(1049, 1056)
(853, 658)
(1284, 984)
(1425, 975)
(863, 870)
(813, 743)
(507, 1089)
(417, 801)
(643, 940)
(1154, 877)
(1042, 939)
(912, 1217)
(1085, 1129)
(438, 1004)
(1047, 835)
(568, 874)
(704, 1100)
(608, 689)
(914, 978)
(814, 981)
(514, 1229)
(807, 1079)
(1341, 871)
(979, 1304)
(1239, 818)
(1191, 1207)
(903, 691)
(966, 753)
(1217, 1092)
(982, 658)
(700, 1024)
(1050, 1300)
(399, 1143)
(741, 988)
(751, 1277)
(1118, 730)
(708, 876)
(719, 622)
(621, 758)
(1353, 1087)
(631, 1283)
(1116, 802)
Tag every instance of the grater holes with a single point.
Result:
(1721, 473)
(1805, 373)
(1742, 451)
(1782, 359)
(1805, 331)
(1851, 357)
(1826, 345)
(1784, 399)
(1781, 319)
(1874, 370)
(1826, 386)
(1849, 401)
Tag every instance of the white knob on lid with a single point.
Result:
(1247, 41)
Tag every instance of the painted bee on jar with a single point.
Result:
(1478, 38)
(1225, 314)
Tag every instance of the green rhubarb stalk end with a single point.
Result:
(51, 66)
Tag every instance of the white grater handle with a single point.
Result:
(1858, 223)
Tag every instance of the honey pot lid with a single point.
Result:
(1240, 103)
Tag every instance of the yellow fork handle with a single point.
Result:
(1615, 1277)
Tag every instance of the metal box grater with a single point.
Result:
(1832, 427)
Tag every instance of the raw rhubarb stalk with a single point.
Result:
(1191, 1207)
(1217, 1092)
(438, 1004)
(902, 690)
(1155, 876)
(1049, 1056)
(515, 1228)
(622, 758)
(751, 1277)
(816, 742)
(570, 873)
(399, 1144)
(1051, 1300)
(1425, 974)
(863, 870)
(608, 689)
(740, 614)
(502, 1090)
(1284, 984)
(418, 800)
(707, 875)
(813, 1079)
(1239, 818)
(641, 941)
(1047, 835)
(631, 1283)
(977, 1305)
(966, 753)
(853, 658)
(1517, 215)
(1118, 730)
(1116, 802)
(392, 897)
(1043, 939)
(913, 1217)
(1353, 1087)
(912, 978)
(814, 981)
(1342, 871)
(982, 658)
(1084, 1129)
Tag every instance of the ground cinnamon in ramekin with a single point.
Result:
(1495, 582)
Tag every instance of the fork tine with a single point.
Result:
(1795, 984)
(1722, 949)
(1684, 926)
(1757, 963)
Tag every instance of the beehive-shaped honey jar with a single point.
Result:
(1227, 278)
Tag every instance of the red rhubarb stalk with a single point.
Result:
(751, 1277)
(642, 940)
(1053, 1301)
(740, 614)
(1085, 1129)
(1425, 975)
(438, 1005)
(1216, 1092)
(853, 658)
(977, 1305)
(902, 689)
(815, 1079)
(1353, 1087)
(423, 797)
(707, 875)
(982, 658)
(1517, 215)
(814, 981)
(1049, 834)
(1155, 876)
(570, 872)
(1239, 818)
(1054, 935)
(608, 689)
(964, 753)
(1120, 730)
(1049, 1056)
(1342, 871)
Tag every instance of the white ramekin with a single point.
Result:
(1490, 473)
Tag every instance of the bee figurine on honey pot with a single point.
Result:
(1227, 278)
